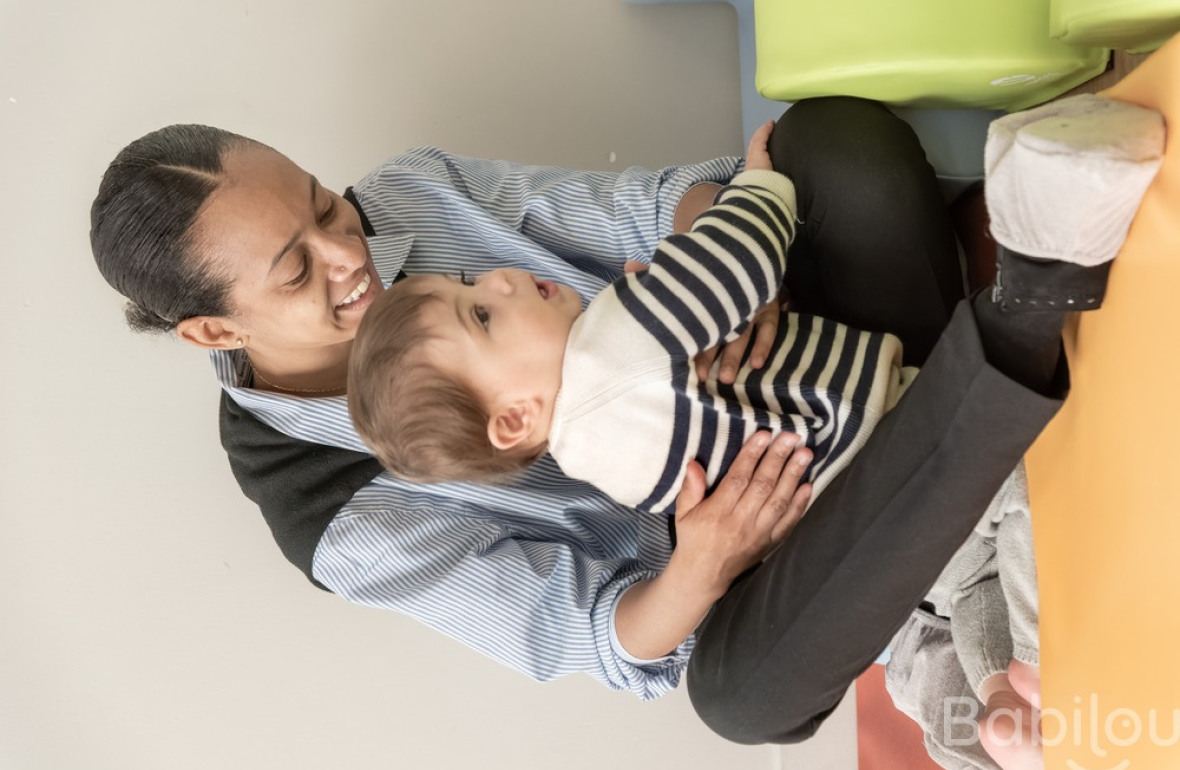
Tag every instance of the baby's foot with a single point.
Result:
(1026, 680)
(1009, 733)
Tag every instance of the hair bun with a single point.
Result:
(141, 319)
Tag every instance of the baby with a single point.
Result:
(459, 379)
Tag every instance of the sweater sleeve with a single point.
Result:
(704, 286)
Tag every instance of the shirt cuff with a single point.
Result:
(675, 656)
(677, 179)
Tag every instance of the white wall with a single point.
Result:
(148, 619)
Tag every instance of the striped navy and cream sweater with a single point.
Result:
(632, 412)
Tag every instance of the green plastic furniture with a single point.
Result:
(1138, 25)
(994, 54)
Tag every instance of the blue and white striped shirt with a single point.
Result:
(528, 573)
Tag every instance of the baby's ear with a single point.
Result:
(512, 424)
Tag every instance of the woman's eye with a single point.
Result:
(482, 315)
(463, 279)
(299, 278)
(327, 215)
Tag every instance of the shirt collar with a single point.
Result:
(390, 248)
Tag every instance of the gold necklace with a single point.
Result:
(258, 374)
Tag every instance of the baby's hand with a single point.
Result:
(757, 154)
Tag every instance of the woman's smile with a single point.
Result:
(360, 297)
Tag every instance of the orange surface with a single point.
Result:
(1105, 486)
(886, 739)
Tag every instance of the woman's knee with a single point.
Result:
(744, 715)
(846, 146)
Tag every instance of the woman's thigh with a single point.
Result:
(875, 249)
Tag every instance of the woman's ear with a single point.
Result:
(511, 425)
(210, 332)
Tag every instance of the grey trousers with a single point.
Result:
(984, 615)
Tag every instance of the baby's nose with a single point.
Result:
(504, 281)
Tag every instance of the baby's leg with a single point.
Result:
(1018, 576)
(1008, 729)
(979, 626)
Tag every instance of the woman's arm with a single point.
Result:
(754, 508)
(609, 216)
(550, 608)
(540, 606)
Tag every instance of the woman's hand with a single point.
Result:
(762, 329)
(752, 510)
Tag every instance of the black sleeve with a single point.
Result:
(298, 485)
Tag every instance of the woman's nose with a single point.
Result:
(343, 254)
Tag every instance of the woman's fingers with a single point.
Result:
(731, 356)
(634, 266)
(764, 493)
(704, 362)
(692, 491)
(794, 511)
(782, 502)
(765, 328)
(762, 329)
(738, 478)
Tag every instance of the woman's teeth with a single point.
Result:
(360, 289)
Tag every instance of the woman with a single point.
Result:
(239, 251)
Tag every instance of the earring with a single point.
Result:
(240, 343)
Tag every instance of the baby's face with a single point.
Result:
(503, 332)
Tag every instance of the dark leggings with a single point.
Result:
(778, 651)
(875, 249)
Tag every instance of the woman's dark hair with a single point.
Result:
(141, 219)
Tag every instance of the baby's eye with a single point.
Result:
(463, 279)
(481, 315)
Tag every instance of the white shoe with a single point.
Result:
(1064, 180)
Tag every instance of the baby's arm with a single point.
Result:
(704, 286)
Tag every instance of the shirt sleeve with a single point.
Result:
(705, 285)
(608, 216)
(544, 608)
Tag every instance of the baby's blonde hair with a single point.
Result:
(421, 423)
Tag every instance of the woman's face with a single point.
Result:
(294, 253)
